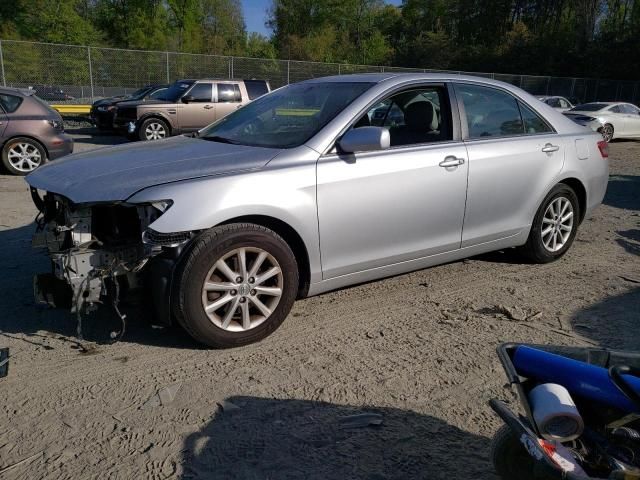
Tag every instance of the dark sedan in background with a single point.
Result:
(51, 93)
(31, 132)
(102, 110)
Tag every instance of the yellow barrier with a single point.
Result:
(69, 109)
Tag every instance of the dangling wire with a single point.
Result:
(116, 336)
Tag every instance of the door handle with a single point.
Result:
(208, 107)
(548, 148)
(451, 162)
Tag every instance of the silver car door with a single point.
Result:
(618, 119)
(632, 120)
(406, 202)
(513, 155)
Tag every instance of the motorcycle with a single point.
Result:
(580, 414)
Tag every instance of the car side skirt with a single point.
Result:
(364, 276)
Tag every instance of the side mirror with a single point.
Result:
(365, 139)
(187, 99)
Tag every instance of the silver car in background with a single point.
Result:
(611, 119)
(315, 186)
(558, 103)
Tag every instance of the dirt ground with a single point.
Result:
(417, 349)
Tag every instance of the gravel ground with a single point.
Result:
(416, 349)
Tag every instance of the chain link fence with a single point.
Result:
(84, 73)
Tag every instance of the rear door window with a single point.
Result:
(533, 123)
(229, 92)
(491, 112)
(630, 109)
(10, 103)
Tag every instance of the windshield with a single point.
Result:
(139, 94)
(287, 117)
(589, 107)
(175, 91)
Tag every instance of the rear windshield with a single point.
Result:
(10, 103)
(256, 88)
(589, 107)
(175, 91)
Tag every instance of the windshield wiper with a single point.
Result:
(215, 138)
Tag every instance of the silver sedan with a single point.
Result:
(315, 186)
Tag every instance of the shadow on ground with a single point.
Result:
(92, 136)
(21, 319)
(630, 241)
(295, 439)
(622, 192)
(614, 322)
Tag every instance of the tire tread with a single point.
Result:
(218, 237)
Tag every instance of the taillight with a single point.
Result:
(604, 149)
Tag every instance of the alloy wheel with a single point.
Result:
(155, 131)
(242, 289)
(557, 224)
(607, 133)
(24, 157)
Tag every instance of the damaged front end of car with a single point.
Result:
(99, 251)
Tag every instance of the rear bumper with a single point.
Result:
(59, 146)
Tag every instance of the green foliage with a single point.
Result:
(540, 37)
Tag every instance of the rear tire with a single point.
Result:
(607, 132)
(221, 300)
(554, 226)
(153, 129)
(22, 155)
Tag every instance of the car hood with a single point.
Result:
(115, 173)
(145, 103)
(109, 101)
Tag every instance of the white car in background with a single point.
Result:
(559, 103)
(612, 119)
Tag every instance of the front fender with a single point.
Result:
(286, 194)
(144, 115)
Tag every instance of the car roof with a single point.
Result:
(20, 91)
(400, 77)
(215, 80)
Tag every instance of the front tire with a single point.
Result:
(21, 155)
(153, 129)
(236, 285)
(554, 226)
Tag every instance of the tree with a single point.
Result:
(58, 22)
